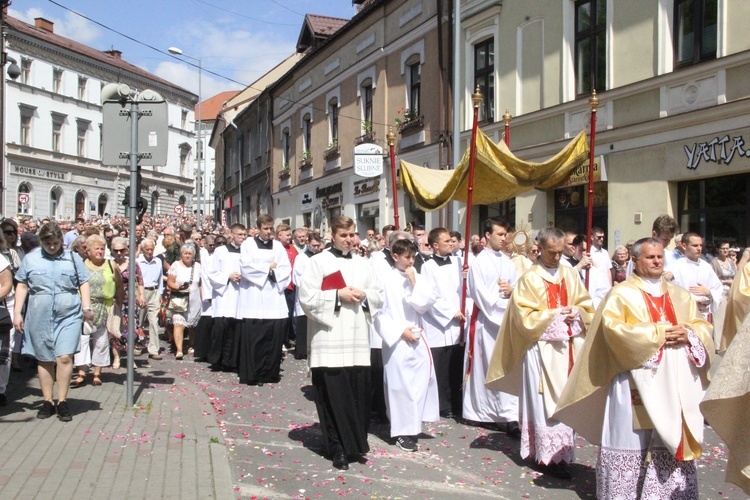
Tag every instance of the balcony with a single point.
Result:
(333, 152)
(411, 126)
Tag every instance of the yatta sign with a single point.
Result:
(368, 160)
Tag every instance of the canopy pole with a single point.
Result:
(391, 144)
(507, 117)
(477, 99)
(593, 103)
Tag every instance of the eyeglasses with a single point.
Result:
(119, 250)
(599, 237)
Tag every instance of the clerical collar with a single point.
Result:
(339, 254)
(551, 270)
(653, 286)
(440, 260)
(232, 249)
(265, 245)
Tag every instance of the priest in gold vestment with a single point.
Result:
(637, 384)
(541, 332)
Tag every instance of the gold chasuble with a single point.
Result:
(738, 306)
(534, 304)
(627, 331)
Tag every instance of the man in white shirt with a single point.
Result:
(153, 284)
(697, 276)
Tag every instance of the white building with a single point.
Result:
(53, 123)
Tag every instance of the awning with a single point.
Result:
(498, 174)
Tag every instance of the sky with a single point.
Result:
(240, 40)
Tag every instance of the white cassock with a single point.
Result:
(440, 326)
(482, 404)
(260, 297)
(410, 382)
(689, 273)
(225, 294)
(300, 263)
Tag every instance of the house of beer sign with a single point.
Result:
(581, 174)
(368, 160)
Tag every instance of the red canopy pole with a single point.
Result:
(477, 99)
(507, 118)
(593, 102)
(391, 144)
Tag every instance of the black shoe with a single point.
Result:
(3, 400)
(63, 412)
(447, 414)
(340, 461)
(512, 430)
(407, 443)
(560, 471)
(47, 410)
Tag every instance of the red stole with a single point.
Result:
(472, 335)
(557, 297)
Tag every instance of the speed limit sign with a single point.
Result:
(23, 198)
(178, 209)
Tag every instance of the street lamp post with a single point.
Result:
(199, 179)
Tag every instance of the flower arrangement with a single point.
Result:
(405, 115)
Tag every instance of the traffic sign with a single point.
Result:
(179, 209)
(23, 198)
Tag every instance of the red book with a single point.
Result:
(333, 281)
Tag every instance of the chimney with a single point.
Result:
(117, 54)
(44, 24)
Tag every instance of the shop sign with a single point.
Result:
(306, 203)
(581, 174)
(40, 172)
(718, 150)
(368, 160)
(366, 186)
(330, 196)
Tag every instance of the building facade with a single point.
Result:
(357, 80)
(53, 119)
(672, 122)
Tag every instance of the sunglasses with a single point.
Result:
(119, 250)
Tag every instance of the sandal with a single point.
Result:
(179, 355)
(96, 381)
(116, 364)
(78, 382)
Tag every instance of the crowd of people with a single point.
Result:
(541, 337)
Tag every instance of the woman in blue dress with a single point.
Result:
(52, 278)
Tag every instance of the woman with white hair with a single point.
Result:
(183, 280)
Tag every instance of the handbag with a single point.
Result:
(162, 316)
(178, 301)
(6, 322)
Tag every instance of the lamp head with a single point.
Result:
(174, 50)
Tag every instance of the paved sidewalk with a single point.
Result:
(167, 446)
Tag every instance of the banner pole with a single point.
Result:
(594, 103)
(391, 145)
(476, 99)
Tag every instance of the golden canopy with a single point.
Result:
(498, 174)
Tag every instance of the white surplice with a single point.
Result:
(439, 323)
(300, 263)
(410, 382)
(689, 273)
(482, 404)
(225, 293)
(207, 307)
(260, 296)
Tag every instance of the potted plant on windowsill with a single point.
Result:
(333, 151)
(306, 160)
(368, 136)
(285, 171)
(408, 121)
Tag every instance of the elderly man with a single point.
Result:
(153, 284)
(540, 335)
(637, 384)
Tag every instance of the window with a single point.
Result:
(101, 205)
(285, 147)
(26, 128)
(83, 127)
(333, 122)
(57, 76)
(414, 85)
(55, 199)
(25, 70)
(184, 151)
(306, 134)
(590, 45)
(154, 202)
(82, 80)
(484, 77)
(367, 102)
(57, 132)
(695, 27)
(183, 119)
